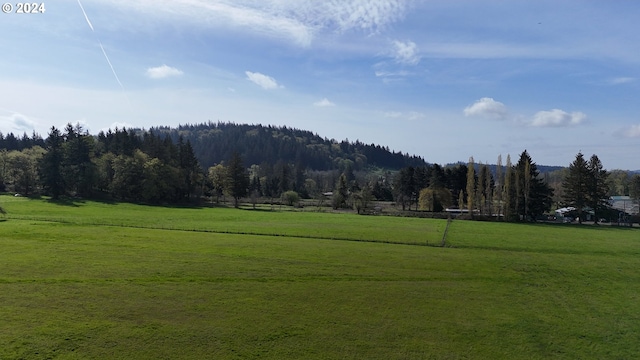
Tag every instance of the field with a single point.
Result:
(98, 280)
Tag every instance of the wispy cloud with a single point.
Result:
(557, 118)
(360, 14)
(324, 103)
(621, 80)
(299, 21)
(487, 107)
(406, 53)
(393, 114)
(163, 71)
(264, 81)
(632, 131)
(411, 115)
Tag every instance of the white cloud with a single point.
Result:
(633, 131)
(406, 53)
(411, 115)
(262, 80)
(385, 74)
(17, 122)
(621, 80)
(393, 114)
(362, 14)
(164, 71)
(487, 107)
(414, 115)
(118, 125)
(324, 103)
(557, 118)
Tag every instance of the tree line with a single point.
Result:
(514, 192)
(119, 165)
(156, 167)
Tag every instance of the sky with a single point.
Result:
(445, 80)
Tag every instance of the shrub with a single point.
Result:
(290, 197)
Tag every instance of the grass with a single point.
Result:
(94, 280)
(234, 221)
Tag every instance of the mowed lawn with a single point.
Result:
(93, 280)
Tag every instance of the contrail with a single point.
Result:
(101, 47)
(111, 66)
(85, 15)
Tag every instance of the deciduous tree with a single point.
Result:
(471, 186)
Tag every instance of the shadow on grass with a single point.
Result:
(590, 226)
(66, 202)
(257, 209)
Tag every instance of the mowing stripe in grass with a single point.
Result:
(232, 232)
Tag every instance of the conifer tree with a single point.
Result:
(51, 165)
(597, 185)
(535, 196)
(237, 179)
(575, 185)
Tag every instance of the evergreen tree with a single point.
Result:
(78, 168)
(597, 186)
(237, 179)
(341, 193)
(575, 185)
(535, 195)
(404, 186)
(189, 168)
(51, 165)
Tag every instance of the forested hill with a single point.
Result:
(257, 144)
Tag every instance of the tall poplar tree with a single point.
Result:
(471, 185)
(480, 194)
(498, 186)
(509, 193)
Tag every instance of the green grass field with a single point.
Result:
(94, 280)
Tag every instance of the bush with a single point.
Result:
(290, 197)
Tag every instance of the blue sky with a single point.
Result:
(445, 80)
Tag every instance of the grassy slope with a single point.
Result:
(72, 290)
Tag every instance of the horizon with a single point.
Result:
(443, 81)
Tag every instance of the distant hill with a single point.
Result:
(257, 144)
